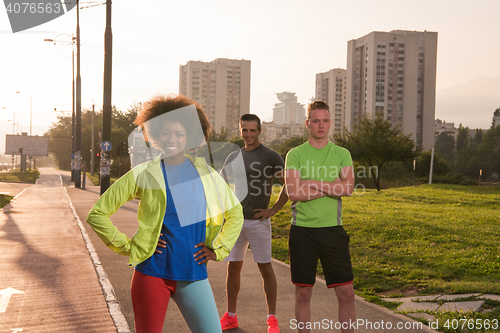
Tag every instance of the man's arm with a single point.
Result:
(298, 189)
(282, 200)
(340, 187)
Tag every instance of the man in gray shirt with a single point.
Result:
(262, 165)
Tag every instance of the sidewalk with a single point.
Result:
(46, 259)
(48, 283)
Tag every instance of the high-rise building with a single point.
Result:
(221, 86)
(496, 121)
(272, 132)
(288, 110)
(394, 73)
(331, 88)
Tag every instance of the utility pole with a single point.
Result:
(106, 108)
(432, 166)
(92, 152)
(414, 165)
(78, 122)
(73, 114)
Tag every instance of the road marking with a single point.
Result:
(5, 295)
(106, 286)
(14, 330)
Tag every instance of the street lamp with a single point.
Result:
(106, 106)
(13, 133)
(78, 105)
(73, 117)
(31, 104)
(13, 120)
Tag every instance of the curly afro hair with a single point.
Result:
(160, 105)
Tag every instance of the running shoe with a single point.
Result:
(227, 322)
(272, 325)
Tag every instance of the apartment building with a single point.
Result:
(221, 86)
(442, 126)
(288, 110)
(274, 132)
(496, 121)
(331, 88)
(394, 73)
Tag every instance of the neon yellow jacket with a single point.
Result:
(145, 181)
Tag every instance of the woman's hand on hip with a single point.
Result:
(161, 243)
(204, 254)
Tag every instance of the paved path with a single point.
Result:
(12, 189)
(251, 301)
(47, 265)
(44, 255)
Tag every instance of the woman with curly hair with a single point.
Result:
(187, 216)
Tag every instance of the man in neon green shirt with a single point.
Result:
(317, 174)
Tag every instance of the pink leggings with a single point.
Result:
(150, 297)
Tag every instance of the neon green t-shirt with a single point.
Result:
(318, 164)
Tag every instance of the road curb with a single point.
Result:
(107, 289)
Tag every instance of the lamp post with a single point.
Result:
(13, 132)
(73, 145)
(106, 107)
(23, 160)
(13, 120)
(78, 121)
(31, 106)
(414, 165)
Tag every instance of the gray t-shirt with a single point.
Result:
(261, 166)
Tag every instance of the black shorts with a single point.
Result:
(330, 245)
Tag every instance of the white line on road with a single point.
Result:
(109, 294)
(5, 295)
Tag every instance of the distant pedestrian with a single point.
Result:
(185, 204)
(262, 166)
(317, 174)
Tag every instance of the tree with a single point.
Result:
(373, 142)
(462, 137)
(285, 146)
(238, 141)
(60, 137)
(445, 145)
(60, 142)
(221, 136)
(496, 113)
(489, 151)
(478, 138)
(440, 165)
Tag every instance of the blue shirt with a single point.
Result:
(184, 226)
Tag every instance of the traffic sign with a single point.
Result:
(106, 146)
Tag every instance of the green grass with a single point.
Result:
(20, 177)
(427, 239)
(455, 322)
(4, 200)
(430, 239)
(95, 179)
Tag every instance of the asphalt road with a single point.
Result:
(47, 281)
(251, 302)
(45, 260)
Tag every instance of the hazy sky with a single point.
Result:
(288, 42)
